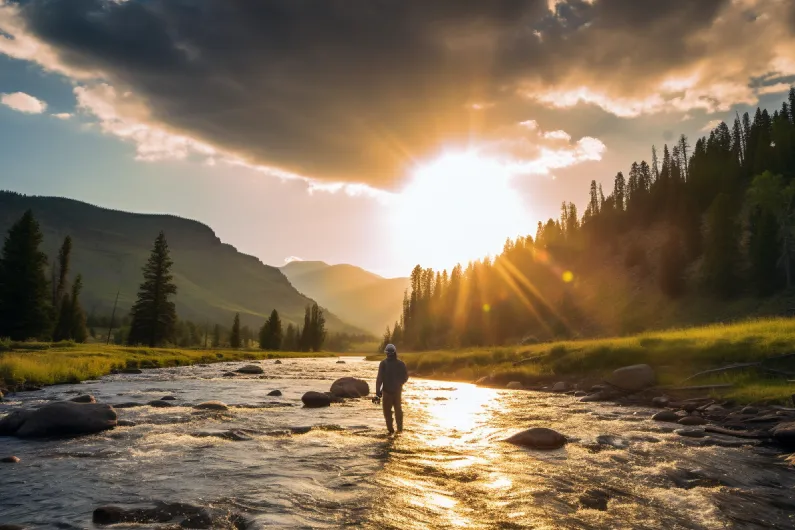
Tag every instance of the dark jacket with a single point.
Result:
(392, 374)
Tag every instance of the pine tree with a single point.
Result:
(305, 342)
(234, 337)
(270, 335)
(25, 309)
(77, 322)
(62, 329)
(764, 252)
(64, 256)
(290, 342)
(318, 324)
(770, 195)
(721, 254)
(216, 336)
(619, 191)
(154, 316)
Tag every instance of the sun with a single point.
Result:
(458, 207)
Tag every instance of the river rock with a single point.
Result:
(350, 387)
(784, 433)
(125, 423)
(595, 500)
(514, 385)
(186, 515)
(212, 405)
(633, 378)
(666, 415)
(749, 410)
(692, 420)
(661, 401)
(61, 418)
(691, 433)
(85, 398)
(229, 374)
(316, 399)
(560, 386)
(10, 460)
(485, 380)
(275, 393)
(598, 396)
(340, 362)
(11, 527)
(612, 441)
(250, 369)
(168, 398)
(127, 405)
(159, 403)
(538, 438)
(277, 362)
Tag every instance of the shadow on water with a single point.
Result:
(283, 466)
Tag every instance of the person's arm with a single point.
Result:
(405, 373)
(380, 379)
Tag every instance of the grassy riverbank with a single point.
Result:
(47, 364)
(675, 355)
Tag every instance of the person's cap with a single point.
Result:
(390, 348)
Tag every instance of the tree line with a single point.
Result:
(725, 207)
(33, 306)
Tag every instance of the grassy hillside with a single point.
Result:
(362, 298)
(45, 364)
(110, 247)
(675, 355)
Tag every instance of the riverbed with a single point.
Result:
(280, 465)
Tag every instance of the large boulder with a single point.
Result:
(61, 418)
(316, 399)
(633, 378)
(784, 433)
(350, 387)
(250, 369)
(538, 438)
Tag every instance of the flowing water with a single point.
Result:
(336, 467)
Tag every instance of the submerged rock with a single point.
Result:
(340, 362)
(692, 420)
(316, 399)
(538, 438)
(250, 369)
(186, 515)
(602, 395)
(10, 460)
(62, 418)
(158, 403)
(595, 500)
(11, 527)
(125, 423)
(277, 361)
(275, 393)
(168, 398)
(633, 378)
(212, 405)
(85, 398)
(128, 405)
(691, 433)
(666, 415)
(130, 371)
(784, 434)
(661, 401)
(350, 387)
(514, 385)
(229, 374)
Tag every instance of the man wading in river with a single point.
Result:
(392, 375)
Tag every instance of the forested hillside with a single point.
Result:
(703, 232)
(214, 280)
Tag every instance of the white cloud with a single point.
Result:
(62, 115)
(22, 102)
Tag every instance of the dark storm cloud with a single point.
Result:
(355, 90)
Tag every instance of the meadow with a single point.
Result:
(675, 354)
(36, 363)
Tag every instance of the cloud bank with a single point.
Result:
(22, 102)
(359, 92)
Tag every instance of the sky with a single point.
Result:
(381, 133)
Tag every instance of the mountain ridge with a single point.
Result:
(214, 279)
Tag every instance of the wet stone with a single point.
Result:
(85, 398)
(538, 438)
(666, 416)
(157, 403)
(9, 460)
(125, 423)
(168, 398)
(275, 393)
(595, 500)
(691, 433)
(127, 405)
(692, 420)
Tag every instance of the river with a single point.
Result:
(335, 467)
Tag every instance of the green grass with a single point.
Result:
(47, 364)
(675, 355)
